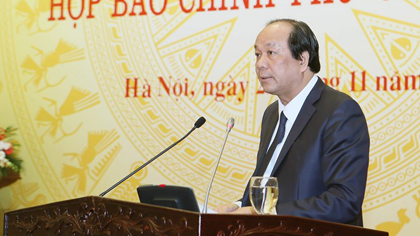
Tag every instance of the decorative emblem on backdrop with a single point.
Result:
(170, 44)
(32, 14)
(38, 68)
(396, 43)
(394, 227)
(194, 55)
(90, 166)
(186, 57)
(77, 100)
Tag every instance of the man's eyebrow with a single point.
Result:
(272, 44)
(269, 44)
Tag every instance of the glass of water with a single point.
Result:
(264, 193)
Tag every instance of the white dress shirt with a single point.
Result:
(291, 111)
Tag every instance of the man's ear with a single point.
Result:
(304, 58)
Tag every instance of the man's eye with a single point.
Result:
(257, 54)
(271, 52)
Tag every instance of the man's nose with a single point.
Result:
(260, 63)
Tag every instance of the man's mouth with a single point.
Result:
(265, 78)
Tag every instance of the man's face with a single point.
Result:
(278, 72)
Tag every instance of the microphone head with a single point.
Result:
(230, 124)
(200, 122)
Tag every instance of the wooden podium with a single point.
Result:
(103, 216)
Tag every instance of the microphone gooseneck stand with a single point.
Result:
(197, 124)
(229, 127)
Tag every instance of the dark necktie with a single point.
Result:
(278, 139)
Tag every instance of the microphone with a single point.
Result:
(197, 125)
(229, 127)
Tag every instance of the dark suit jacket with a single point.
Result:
(322, 167)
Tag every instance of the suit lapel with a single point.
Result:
(267, 134)
(272, 122)
(302, 119)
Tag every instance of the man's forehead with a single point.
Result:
(274, 34)
(266, 44)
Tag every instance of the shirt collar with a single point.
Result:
(292, 109)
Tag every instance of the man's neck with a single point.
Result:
(307, 76)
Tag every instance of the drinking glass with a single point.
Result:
(264, 193)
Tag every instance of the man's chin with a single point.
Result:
(268, 89)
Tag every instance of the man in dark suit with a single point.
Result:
(320, 153)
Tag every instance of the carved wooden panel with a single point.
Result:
(100, 216)
(240, 225)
